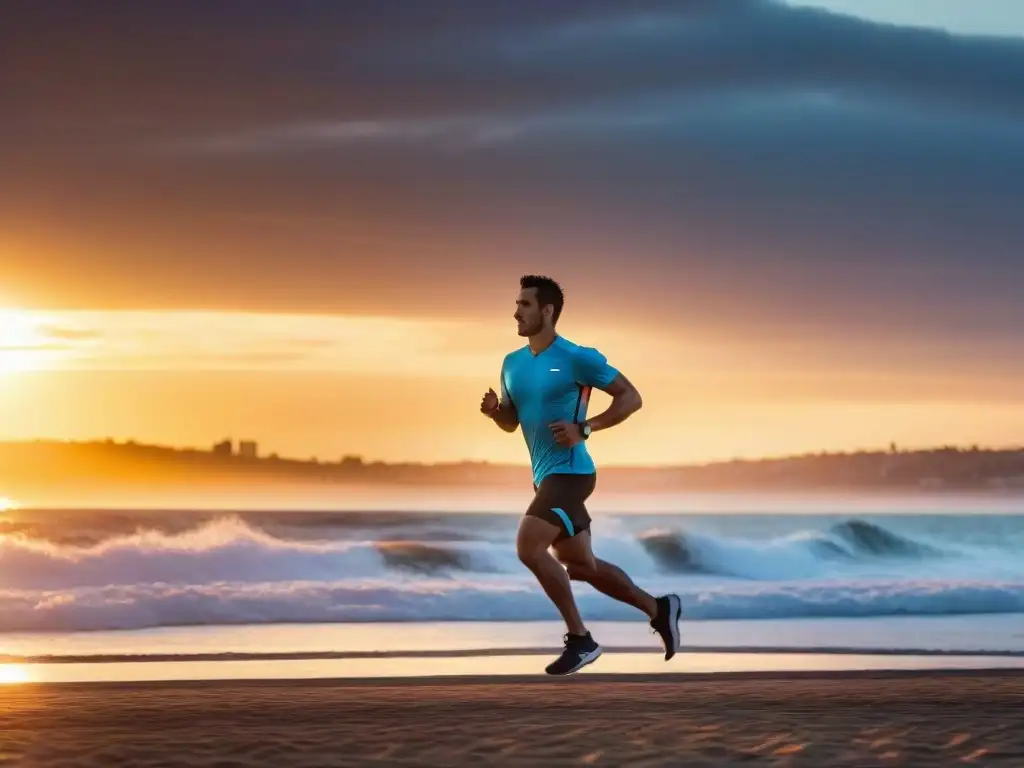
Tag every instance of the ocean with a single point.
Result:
(766, 584)
(66, 571)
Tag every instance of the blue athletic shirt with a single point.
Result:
(554, 385)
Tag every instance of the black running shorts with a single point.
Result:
(560, 500)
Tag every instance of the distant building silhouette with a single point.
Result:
(223, 448)
(247, 449)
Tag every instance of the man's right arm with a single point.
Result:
(506, 416)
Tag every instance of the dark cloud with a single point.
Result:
(702, 48)
(188, 64)
(748, 165)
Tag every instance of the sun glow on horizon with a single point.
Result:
(306, 385)
(20, 341)
(13, 674)
(7, 504)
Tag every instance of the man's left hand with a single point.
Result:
(566, 433)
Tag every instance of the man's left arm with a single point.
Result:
(591, 369)
(626, 401)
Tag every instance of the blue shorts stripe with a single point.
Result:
(565, 519)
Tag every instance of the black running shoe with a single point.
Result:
(666, 623)
(580, 650)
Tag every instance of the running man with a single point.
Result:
(545, 387)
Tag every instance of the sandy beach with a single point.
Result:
(819, 719)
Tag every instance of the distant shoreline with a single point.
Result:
(28, 467)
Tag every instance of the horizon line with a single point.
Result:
(892, 449)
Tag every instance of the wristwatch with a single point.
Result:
(585, 429)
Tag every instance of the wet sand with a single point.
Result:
(814, 719)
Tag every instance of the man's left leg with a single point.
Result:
(579, 560)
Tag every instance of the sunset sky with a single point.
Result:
(304, 223)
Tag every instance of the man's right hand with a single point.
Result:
(489, 403)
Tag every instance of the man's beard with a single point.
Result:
(533, 330)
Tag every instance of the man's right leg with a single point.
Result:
(532, 544)
(544, 523)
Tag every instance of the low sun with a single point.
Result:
(6, 504)
(19, 341)
(12, 674)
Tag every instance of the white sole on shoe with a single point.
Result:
(590, 658)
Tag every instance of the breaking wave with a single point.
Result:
(801, 555)
(226, 549)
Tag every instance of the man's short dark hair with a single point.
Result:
(548, 292)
